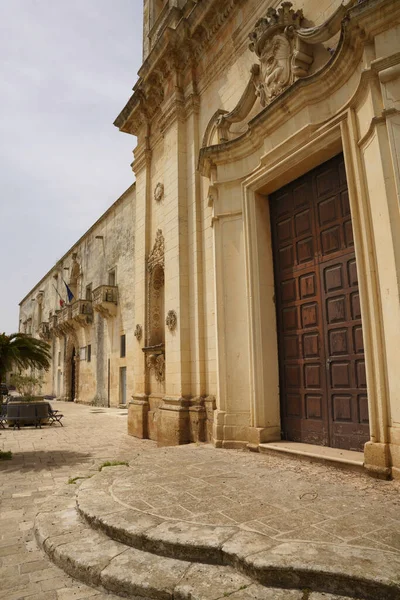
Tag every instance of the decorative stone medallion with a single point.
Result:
(171, 320)
(159, 192)
(138, 332)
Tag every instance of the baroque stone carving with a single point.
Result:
(138, 332)
(283, 56)
(156, 363)
(155, 292)
(285, 52)
(159, 192)
(156, 256)
(172, 320)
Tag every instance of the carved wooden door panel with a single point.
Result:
(322, 369)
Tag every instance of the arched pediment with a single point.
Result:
(285, 51)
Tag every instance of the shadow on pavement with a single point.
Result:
(37, 460)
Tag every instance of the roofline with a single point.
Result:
(99, 220)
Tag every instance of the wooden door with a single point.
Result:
(321, 354)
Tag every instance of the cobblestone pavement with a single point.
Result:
(279, 497)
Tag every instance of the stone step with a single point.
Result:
(93, 558)
(345, 459)
(137, 555)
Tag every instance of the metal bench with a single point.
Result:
(3, 415)
(27, 414)
(55, 416)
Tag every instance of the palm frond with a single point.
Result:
(24, 351)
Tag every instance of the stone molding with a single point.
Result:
(176, 49)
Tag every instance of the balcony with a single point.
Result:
(65, 323)
(44, 331)
(82, 312)
(105, 300)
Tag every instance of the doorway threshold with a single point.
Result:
(345, 459)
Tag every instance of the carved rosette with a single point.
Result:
(156, 363)
(172, 320)
(138, 332)
(159, 192)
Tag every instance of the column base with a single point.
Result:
(233, 431)
(173, 428)
(138, 410)
(377, 460)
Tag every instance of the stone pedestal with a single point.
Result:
(174, 423)
(138, 410)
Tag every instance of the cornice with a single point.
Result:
(360, 25)
(182, 40)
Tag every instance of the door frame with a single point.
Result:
(309, 152)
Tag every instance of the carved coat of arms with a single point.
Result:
(285, 50)
(283, 56)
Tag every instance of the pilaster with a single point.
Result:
(173, 426)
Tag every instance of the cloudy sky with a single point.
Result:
(66, 71)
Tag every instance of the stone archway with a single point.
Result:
(71, 369)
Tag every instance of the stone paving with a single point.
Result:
(277, 497)
(43, 461)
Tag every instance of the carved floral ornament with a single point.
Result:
(172, 320)
(285, 50)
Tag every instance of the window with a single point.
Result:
(89, 352)
(89, 292)
(111, 277)
(82, 353)
(59, 359)
(123, 346)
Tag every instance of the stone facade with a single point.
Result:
(90, 358)
(235, 100)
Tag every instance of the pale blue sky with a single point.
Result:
(67, 68)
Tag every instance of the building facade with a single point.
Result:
(265, 302)
(91, 336)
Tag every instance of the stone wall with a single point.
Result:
(108, 246)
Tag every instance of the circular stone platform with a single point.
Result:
(295, 527)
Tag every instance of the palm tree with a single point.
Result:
(23, 351)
